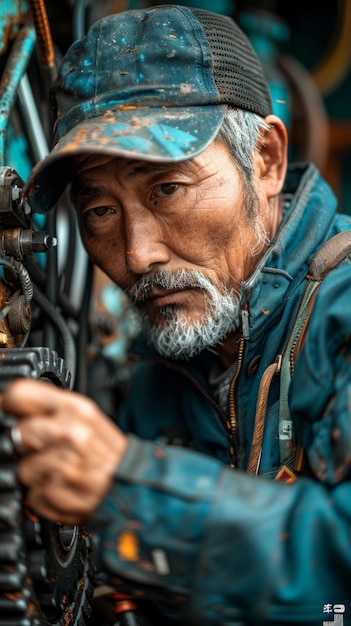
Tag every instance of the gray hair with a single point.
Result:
(241, 132)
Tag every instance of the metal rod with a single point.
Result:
(45, 44)
(31, 119)
(16, 66)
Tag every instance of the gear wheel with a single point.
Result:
(46, 570)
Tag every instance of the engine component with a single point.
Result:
(46, 569)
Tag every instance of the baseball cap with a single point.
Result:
(149, 84)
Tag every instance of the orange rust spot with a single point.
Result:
(81, 133)
(71, 146)
(13, 595)
(173, 36)
(128, 546)
(127, 107)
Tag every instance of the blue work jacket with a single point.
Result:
(212, 544)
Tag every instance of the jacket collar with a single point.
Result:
(309, 213)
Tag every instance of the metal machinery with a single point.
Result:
(45, 569)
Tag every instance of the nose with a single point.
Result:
(145, 245)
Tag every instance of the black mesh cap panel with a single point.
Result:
(237, 71)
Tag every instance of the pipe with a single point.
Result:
(16, 65)
(32, 121)
(45, 44)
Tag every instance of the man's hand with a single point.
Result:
(69, 449)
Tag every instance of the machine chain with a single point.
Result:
(46, 569)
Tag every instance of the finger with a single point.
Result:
(30, 399)
(101, 438)
(58, 505)
(25, 396)
(39, 432)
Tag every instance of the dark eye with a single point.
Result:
(99, 211)
(165, 189)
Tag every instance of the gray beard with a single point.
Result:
(177, 337)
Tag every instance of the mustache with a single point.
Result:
(162, 279)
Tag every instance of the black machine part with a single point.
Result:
(46, 569)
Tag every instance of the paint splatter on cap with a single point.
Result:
(148, 84)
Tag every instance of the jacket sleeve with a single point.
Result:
(230, 548)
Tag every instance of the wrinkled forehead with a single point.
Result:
(87, 161)
(88, 165)
(95, 165)
(95, 170)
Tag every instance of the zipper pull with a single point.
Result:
(245, 321)
(232, 453)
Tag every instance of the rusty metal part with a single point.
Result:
(13, 15)
(44, 39)
(19, 242)
(7, 339)
(15, 312)
(19, 315)
(16, 65)
(14, 210)
(10, 242)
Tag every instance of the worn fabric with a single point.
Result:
(214, 544)
(148, 83)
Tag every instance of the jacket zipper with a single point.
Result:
(193, 379)
(232, 424)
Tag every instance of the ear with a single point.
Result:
(272, 156)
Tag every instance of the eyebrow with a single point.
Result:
(145, 168)
(81, 190)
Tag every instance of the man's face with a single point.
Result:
(174, 236)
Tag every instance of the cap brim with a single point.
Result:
(161, 135)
